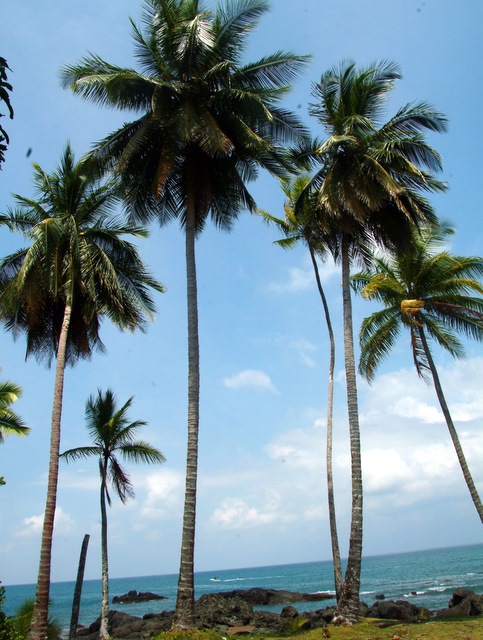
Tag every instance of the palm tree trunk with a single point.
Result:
(330, 404)
(38, 627)
(74, 619)
(348, 605)
(451, 428)
(184, 612)
(104, 627)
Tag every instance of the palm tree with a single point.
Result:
(433, 295)
(76, 599)
(207, 123)
(5, 88)
(304, 228)
(77, 269)
(367, 190)
(112, 434)
(10, 422)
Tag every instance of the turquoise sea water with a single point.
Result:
(425, 578)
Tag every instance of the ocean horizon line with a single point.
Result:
(251, 567)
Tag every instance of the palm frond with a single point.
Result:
(377, 337)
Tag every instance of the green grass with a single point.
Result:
(470, 629)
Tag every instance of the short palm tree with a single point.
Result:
(435, 296)
(304, 227)
(10, 422)
(112, 434)
(366, 190)
(206, 124)
(77, 269)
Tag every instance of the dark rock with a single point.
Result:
(463, 603)
(267, 621)
(289, 612)
(399, 610)
(459, 595)
(258, 596)
(133, 596)
(213, 611)
(123, 625)
(380, 596)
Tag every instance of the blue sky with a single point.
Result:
(264, 350)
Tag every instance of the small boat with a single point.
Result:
(215, 580)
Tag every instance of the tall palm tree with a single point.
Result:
(433, 295)
(10, 422)
(207, 123)
(112, 434)
(304, 228)
(77, 269)
(367, 190)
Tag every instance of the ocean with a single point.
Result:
(425, 578)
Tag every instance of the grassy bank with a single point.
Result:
(471, 629)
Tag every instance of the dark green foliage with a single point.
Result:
(10, 422)
(7, 628)
(427, 289)
(207, 122)
(23, 617)
(78, 256)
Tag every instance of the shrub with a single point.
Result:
(7, 628)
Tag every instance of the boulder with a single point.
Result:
(463, 603)
(133, 596)
(122, 625)
(399, 610)
(258, 596)
(212, 611)
(459, 595)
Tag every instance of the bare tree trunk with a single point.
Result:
(348, 605)
(330, 410)
(74, 619)
(38, 626)
(184, 612)
(104, 627)
(451, 428)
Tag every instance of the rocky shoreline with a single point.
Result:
(232, 613)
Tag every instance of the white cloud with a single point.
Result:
(32, 525)
(252, 378)
(410, 407)
(435, 461)
(401, 393)
(235, 513)
(164, 494)
(385, 469)
(297, 280)
(303, 278)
